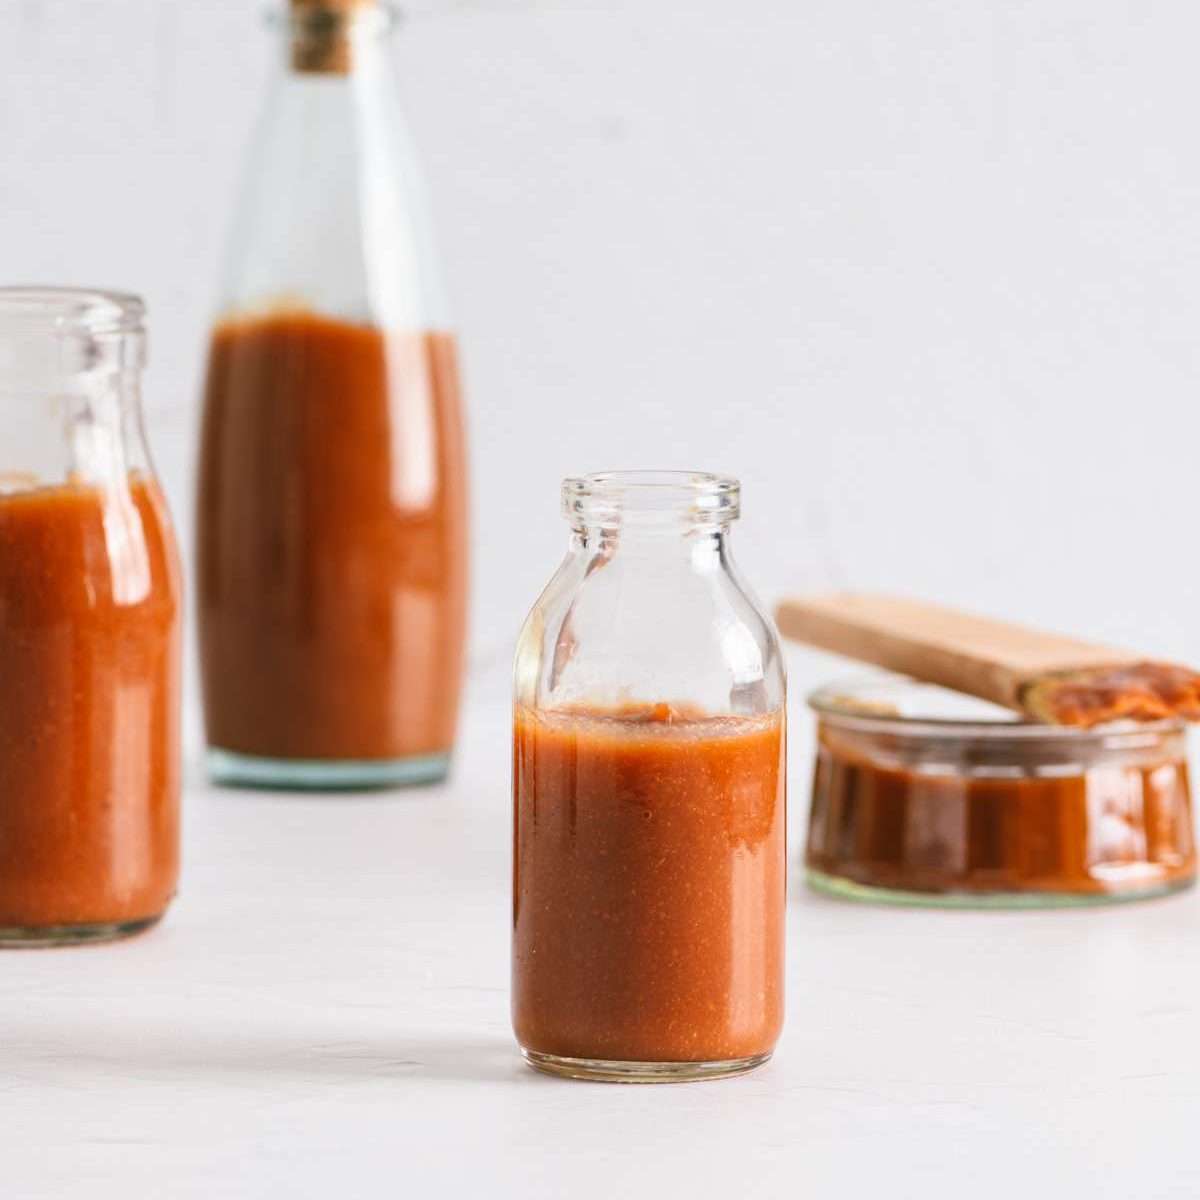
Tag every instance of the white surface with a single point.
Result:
(925, 275)
(325, 1013)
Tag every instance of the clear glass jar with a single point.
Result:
(923, 796)
(89, 627)
(332, 507)
(649, 792)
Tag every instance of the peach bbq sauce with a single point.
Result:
(1106, 831)
(648, 884)
(89, 741)
(332, 553)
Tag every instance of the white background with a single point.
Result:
(925, 275)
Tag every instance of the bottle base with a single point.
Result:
(324, 775)
(847, 889)
(34, 936)
(615, 1071)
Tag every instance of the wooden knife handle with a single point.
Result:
(991, 659)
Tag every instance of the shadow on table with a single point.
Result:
(68, 1055)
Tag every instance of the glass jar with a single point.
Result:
(923, 796)
(332, 509)
(649, 794)
(89, 628)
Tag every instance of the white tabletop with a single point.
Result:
(324, 1012)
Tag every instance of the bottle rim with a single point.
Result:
(614, 497)
(70, 311)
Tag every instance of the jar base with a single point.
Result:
(230, 768)
(615, 1071)
(846, 889)
(40, 936)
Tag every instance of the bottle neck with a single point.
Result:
(700, 546)
(332, 216)
(671, 516)
(70, 372)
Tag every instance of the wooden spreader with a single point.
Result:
(1047, 677)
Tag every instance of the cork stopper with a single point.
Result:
(321, 34)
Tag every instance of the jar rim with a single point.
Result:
(604, 496)
(69, 311)
(861, 704)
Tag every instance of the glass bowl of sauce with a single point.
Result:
(923, 796)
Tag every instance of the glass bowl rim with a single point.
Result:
(832, 703)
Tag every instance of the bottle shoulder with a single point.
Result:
(618, 630)
(332, 213)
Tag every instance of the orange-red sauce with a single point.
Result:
(332, 556)
(89, 706)
(1109, 829)
(648, 884)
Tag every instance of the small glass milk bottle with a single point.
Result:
(90, 616)
(649, 789)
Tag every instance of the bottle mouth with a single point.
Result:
(609, 498)
(69, 311)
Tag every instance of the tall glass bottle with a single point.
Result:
(332, 539)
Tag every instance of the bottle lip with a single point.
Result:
(70, 311)
(615, 497)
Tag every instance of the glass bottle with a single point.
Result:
(332, 528)
(649, 792)
(89, 628)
